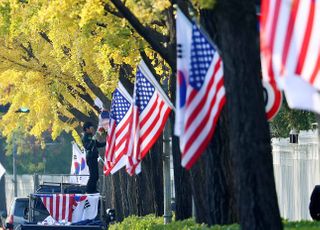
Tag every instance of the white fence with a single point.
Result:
(25, 185)
(296, 171)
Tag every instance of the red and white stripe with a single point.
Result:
(148, 125)
(133, 155)
(110, 147)
(151, 123)
(202, 111)
(290, 40)
(197, 116)
(60, 206)
(119, 141)
(118, 138)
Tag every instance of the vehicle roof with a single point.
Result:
(20, 198)
(49, 187)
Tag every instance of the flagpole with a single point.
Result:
(166, 168)
(14, 164)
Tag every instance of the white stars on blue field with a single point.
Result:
(119, 106)
(144, 91)
(202, 53)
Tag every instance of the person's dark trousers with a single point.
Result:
(94, 175)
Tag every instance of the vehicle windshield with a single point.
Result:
(19, 206)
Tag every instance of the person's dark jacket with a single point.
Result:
(91, 145)
(314, 206)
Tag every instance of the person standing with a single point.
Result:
(91, 146)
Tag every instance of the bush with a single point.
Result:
(135, 222)
(150, 222)
(302, 225)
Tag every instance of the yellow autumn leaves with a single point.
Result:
(47, 46)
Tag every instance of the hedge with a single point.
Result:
(150, 222)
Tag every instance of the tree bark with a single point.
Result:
(235, 26)
(96, 90)
(141, 194)
(220, 175)
(213, 180)
(182, 184)
(318, 122)
(117, 197)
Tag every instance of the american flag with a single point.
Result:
(290, 49)
(119, 133)
(150, 113)
(200, 90)
(60, 206)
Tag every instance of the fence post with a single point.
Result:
(35, 182)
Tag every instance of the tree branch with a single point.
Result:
(150, 35)
(77, 113)
(148, 61)
(108, 9)
(96, 90)
(66, 119)
(28, 49)
(45, 37)
(15, 62)
(125, 71)
(84, 96)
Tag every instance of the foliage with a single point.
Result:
(31, 158)
(151, 222)
(47, 47)
(302, 225)
(204, 4)
(288, 119)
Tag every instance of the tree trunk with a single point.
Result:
(183, 192)
(213, 181)
(117, 196)
(235, 26)
(220, 175)
(142, 194)
(318, 126)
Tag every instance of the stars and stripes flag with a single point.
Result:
(118, 133)
(150, 113)
(200, 90)
(290, 49)
(60, 206)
